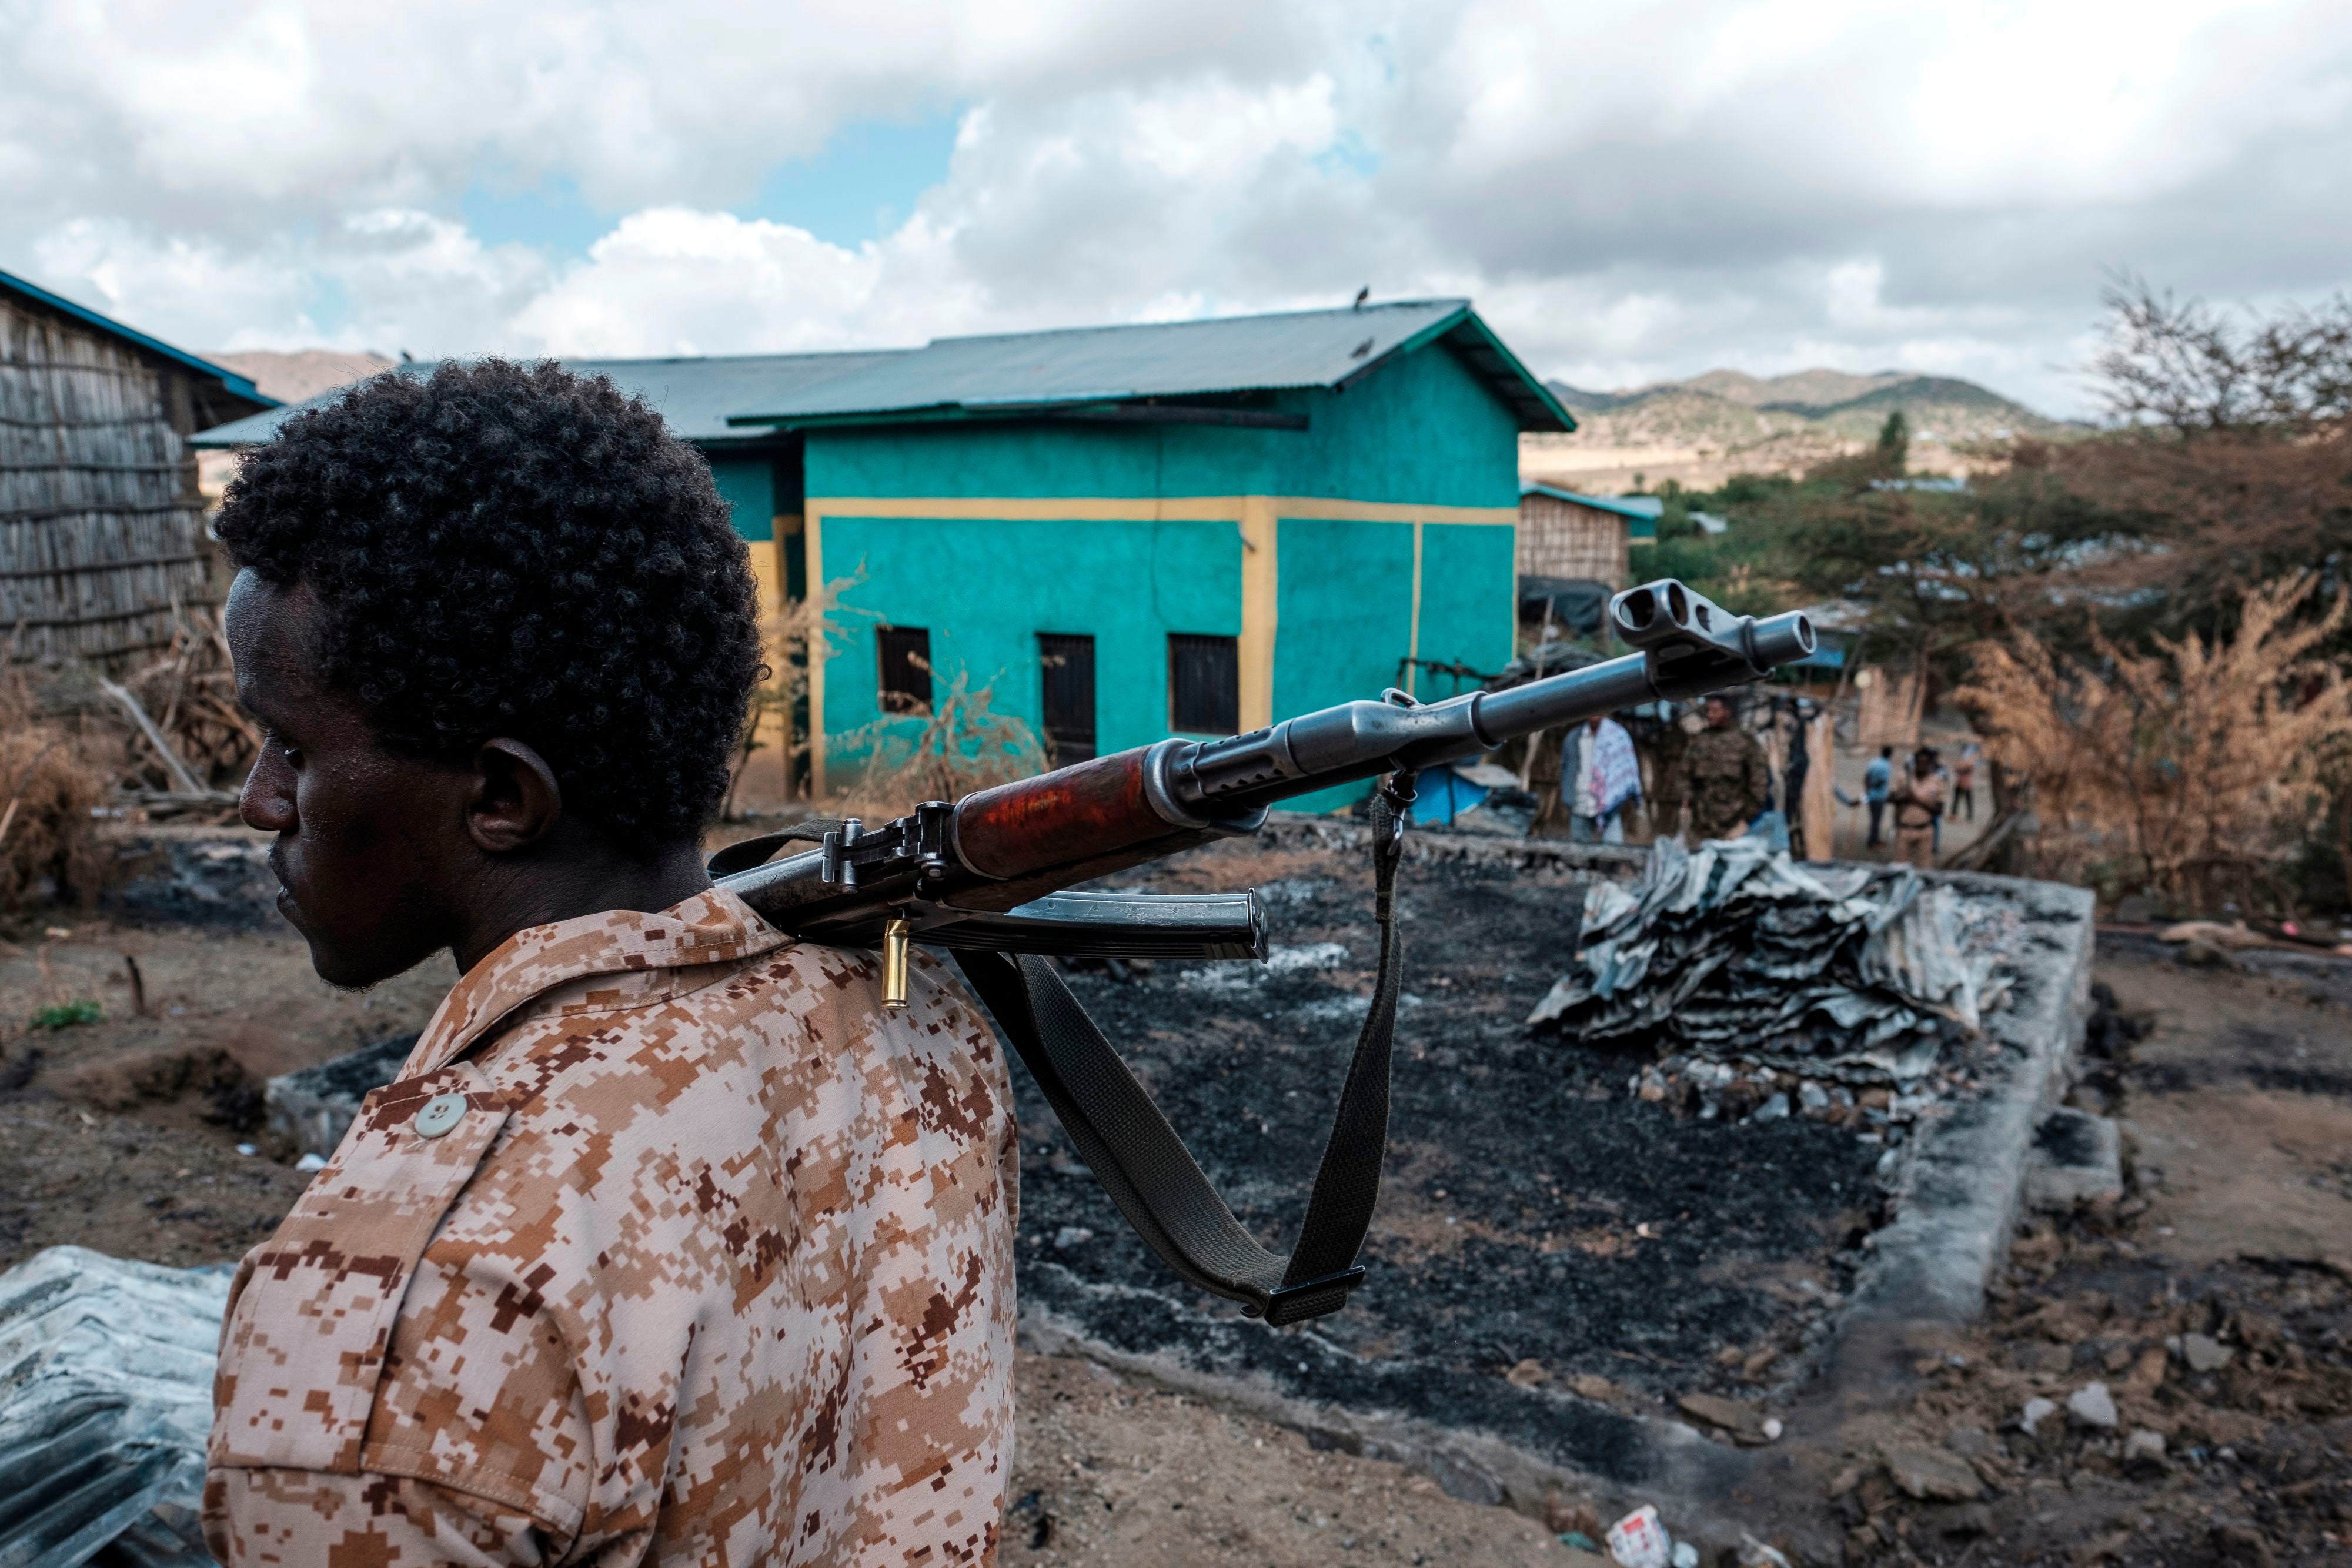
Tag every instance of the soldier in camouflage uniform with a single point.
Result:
(1725, 780)
(667, 1244)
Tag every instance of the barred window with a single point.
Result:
(1068, 663)
(1204, 684)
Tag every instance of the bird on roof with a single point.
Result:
(1361, 294)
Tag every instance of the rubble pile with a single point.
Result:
(1848, 975)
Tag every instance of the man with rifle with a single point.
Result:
(669, 1243)
(684, 1233)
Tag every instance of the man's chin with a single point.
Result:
(357, 968)
(337, 971)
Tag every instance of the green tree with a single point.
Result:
(1894, 442)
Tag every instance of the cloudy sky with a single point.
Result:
(1630, 192)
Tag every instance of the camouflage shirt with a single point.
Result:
(1724, 781)
(668, 1246)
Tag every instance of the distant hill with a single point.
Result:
(1734, 406)
(303, 374)
(1939, 407)
(1579, 399)
(1804, 388)
(1705, 429)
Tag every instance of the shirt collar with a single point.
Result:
(711, 928)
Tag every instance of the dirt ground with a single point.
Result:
(2233, 1247)
(2211, 1307)
(122, 1134)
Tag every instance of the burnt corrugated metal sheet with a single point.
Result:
(106, 1382)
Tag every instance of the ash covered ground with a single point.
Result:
(1536, 1215)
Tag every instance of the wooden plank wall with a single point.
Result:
(102, 526)
(1560, 539)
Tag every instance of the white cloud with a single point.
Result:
(1631, 192)
(674, 280)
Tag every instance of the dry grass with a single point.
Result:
(962, 744)
(48, 844)
(2196, 773)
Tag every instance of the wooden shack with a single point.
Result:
(1565, 534)
(102, 526)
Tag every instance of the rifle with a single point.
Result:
(989, 878)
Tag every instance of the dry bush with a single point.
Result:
(964, 745)
(48, 841)
(2196, 773)
(2207, 517)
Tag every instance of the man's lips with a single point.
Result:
(288, 905)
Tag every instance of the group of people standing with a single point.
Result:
(1717, 784)
(1720, 780)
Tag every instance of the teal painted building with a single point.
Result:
(1132, 531)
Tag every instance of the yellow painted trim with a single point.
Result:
(1324, 509)
(768, 584)
(1511, 599)
(1145, 509)
(1034, 509)
(1261, 579)
(813, 570)
(1412, 639)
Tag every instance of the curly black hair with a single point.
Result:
(503, 550)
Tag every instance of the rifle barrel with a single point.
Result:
(1685, 656)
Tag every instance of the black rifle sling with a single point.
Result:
(1144, 1166)
(746, 853)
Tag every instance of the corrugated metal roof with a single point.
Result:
(697, 396)
(1640, 508)
(694, 395)
(712, 400)
(1162, 360)
(1243, 354)
(238, 385)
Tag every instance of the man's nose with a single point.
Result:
(266, 802)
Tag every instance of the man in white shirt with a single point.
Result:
(1598, 775)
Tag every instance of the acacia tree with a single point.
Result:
(2230, 465)
(2182, 366)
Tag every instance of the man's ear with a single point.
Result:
(517, 801)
